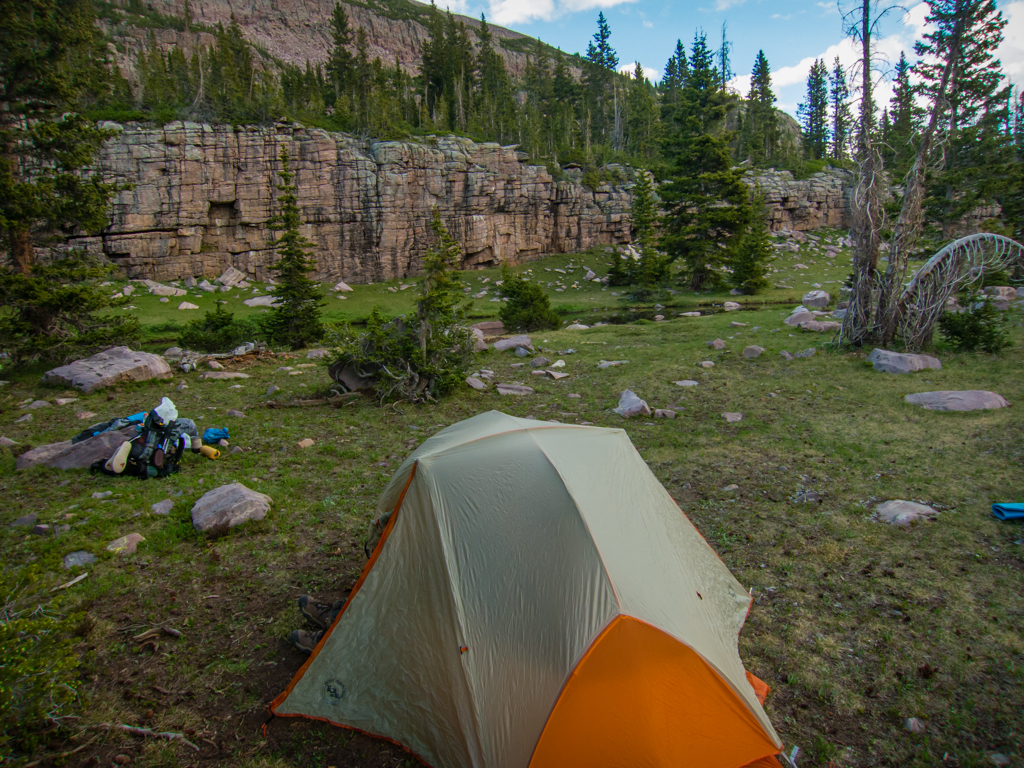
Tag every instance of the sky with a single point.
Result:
(792, 34)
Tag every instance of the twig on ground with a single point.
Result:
(70, 583)
(134, 731)
(61, 755)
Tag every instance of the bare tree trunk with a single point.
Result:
(22, 253)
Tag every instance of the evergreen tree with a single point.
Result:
(671, 86)
(599, 70)
(903, 118)
(645, 273)
(295, 322)
(760, 124)
(724, 64)
(814, 112)
(842, 115)
(526, 307)
(641, 127)
(497, 109)
(44, 143)
(339, 61)
(440, 304)
(749, 266)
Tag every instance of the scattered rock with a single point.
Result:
(162, 507)
(112, 366)
(207, 286)
(951, 400)
(35, 404)
(558, 364)
(819, 326)
(807, 497)
(164, 300)
(78, 559)
(514, 389)
(556, 375)
(236, 414)
(125, 545)
(272, 389)
(900, 512)
(809, 352)
(128, 290)
(188, 305)
(577, 327)
(664, 413)
(658, 318)
(25, 520)
(174, 352)
(68, 455)
(475, 383)
(220, 375)
(786, 355)
(816, 299)
(231, 277)
(706, 364)
(732, 417)
(190, 282)
(307, 442)
(1000, 292)
(214, 365)
(716, 344)
(6, 442)
(896, 362)
(317, 354)
(102, 494)
(26, 417)
(610, 364)
(734, 324)
(731, 306)
(236, 450)
(799, 317)
(342, 286)
(65, 400)
(630, 405)
(687, 383)
(999, 759)
(490, 327)
(522, 352)
(689, 314)
(574, 396)
(41, 530)
(513, 342)
(223, 443)
(540, 362)
(730, 488)
(181, 387)
(914, 725)
(165, 290)
(228, 506)
(753, 351)
(261, 301)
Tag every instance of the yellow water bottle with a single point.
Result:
(210, 452)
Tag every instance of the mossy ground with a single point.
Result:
(856, 625)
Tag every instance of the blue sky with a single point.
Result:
(792, 33)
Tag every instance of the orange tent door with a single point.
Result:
(640, 698)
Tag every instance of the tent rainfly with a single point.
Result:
(538, 600)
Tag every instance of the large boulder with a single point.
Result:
(513, 342)
(231, 277)
(228, 506)
(1001, 292)
(799, 317)
(109, 367)
(68, 455)
(951, 400)
(816, 299)
(166, 290)
(261, 301)
(896, 362)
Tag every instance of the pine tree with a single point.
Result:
(749, 266)
(44, 143)
(814, 112)
(677, 69)
(599, 70)
(339, 62)
(295, 322)
(842, 115)
(645, 273)
(641, 126)
(724, 64)
(904, 117)
(760, 124)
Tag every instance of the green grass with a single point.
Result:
(855, 625)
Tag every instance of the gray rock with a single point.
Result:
(805, 353)
(753, 351)
(164, 300)
(102, 494)
(236, 414)
(174, 352)
(664, 413)
(128, 290)
(479, 345)
(816, 299)
(819, 326)
(786, 355)
(243, 349)
(951, 400)
(190, 282)
(475, 383)
(162, 507)
(65, 455)
(896, 362)
(522, 352)
(577, 327)
(317, 354)
(914, 725)
(214, 365)
(35, 404)
(730, 488)
(631, 405)
(513, 342)
(6, 442)
(127, 544)
(165, 290)
(220, 375)
(807, 497)
(25, 520)
(716, 344)
(228, 506)
(41, 530)
(112, 366)
(540, 362)
(78, 559)
(272, 389)
(900, 512)
(26, 417)
(731, 306)
(261, 301)
(706, 364)
(799, 317)
(1001, 292)
(734, 324)
(207, 286)
(236, 450)
(231, 277)
(514, 389)
(732, 417)
(687, 383)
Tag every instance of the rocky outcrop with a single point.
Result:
(823, 200)
(201, 198)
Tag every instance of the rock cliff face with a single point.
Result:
(820, 201)
(202, 197)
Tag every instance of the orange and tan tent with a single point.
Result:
(537, 600)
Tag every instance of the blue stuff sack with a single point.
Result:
(213, 434)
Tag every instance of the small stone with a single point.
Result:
(574, 396)
(914, 725)
(236, 450)
(730, 488)
(706, 364)
(25, 520)
(576, 327)
(800, 316)
(221, 375)
(522, 352)
(236, 414)
(165, 300)
(807, 497)
(895, 362)
(716, 344)
(689, 314)
(786, 355)
(223, 443)
(604, 364)
(966, 400)
(999, 759)
(317, 354)
(181, 387)
(186, 305)
(631, 405)
(540, 362)
(35, 404)
(513, 343)
(78, 559)
(664, 413)
(173, 352)
(753, 351)
(734, 324)
(26, 417)
(558, 364)
(809, 352)
(341, 286)
(554, 375)
(900, 512)
(103, 494)
(306, 443)
(162, 507)
(731, 306)
(514, 389)
(658, 318)
(475, 383)
(6, 442)
(816, 299)
(65, 400)
(214, 365)
(732, 417)
(687, 383)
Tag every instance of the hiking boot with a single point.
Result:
(320, 614)
(117, 462)
(304, 641)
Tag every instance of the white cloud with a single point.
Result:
(1011, 52)
(650, 73)
(724, 5)
(455, 6)
(828, 8)
(787, 17)
(648, 24)
(506, 12)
